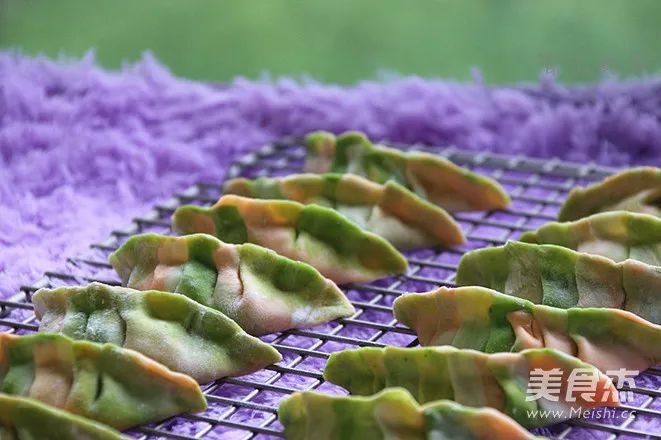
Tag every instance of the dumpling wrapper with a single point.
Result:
(449, 420)
(617, 235)
(559, 277)
(470, 378)
(23, 419)
(388, 210)
(104, 382)
(635, 190)
(390, 414)
(262, 291)
(485, 320)
(314, 234)
(172, 329)
(432, 177)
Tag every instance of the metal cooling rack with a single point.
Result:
(245, 407)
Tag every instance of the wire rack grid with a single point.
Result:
(246, 407)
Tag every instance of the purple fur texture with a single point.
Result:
(84, 150)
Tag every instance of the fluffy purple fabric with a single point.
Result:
(84, 150)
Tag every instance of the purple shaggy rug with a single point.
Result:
(83, 150)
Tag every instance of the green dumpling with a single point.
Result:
(172, 329)
(390, 414)
(635, 190)
(259, 289)
(617, 235)
(389, 210)
(317, 235)
(431, 177)
(449, 420)
(29, 419)
(103, 382)
(559, 277)
(485, 320)
(468, 377)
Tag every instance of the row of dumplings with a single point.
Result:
(582, 295)
(264, 259)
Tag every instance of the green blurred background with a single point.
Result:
(344, 40)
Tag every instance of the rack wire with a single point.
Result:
(246, 407)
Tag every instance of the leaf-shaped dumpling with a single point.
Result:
(486, 320)
(389, 210)
(104, 382)
(317, 235)
(172, 329)
(259, 289)
(445, 419)
(635, 189)
(559, 277)
(390, 414)
(431, 177)
(617, 235)
(470, 378)
(25, 419)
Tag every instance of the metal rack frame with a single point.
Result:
(245, 407)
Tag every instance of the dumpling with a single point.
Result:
(617, 235)
(468, 377)
(389, 210)
(431, 177)
(485, 320)
(172, 329)
(559, 277)
(25, 419)
(103, 382)
(259, 289)
(390, 414)
(319, 236)
(635, 190)
(449, 420)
